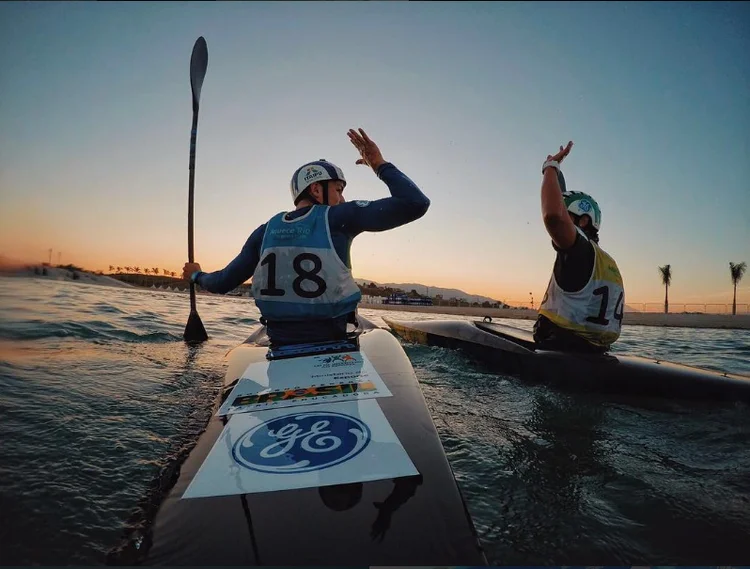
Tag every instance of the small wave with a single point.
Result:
(149, 337)
(239, 320)
(97, 332)
(105, 308)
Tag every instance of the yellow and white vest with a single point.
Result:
(594, 312)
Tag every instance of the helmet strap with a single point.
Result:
(589, 230)
(324, 184)
(312, 198)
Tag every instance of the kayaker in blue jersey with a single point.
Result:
(299, 261)
(583, 307)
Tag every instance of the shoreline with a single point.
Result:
(64, 275)
(717, 321)
(676, 320)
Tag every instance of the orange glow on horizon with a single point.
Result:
(518, 295)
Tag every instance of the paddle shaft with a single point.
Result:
(195, 332)
(191, 192)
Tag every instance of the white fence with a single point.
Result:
(674, 307)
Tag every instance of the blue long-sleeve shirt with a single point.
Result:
(407, 203)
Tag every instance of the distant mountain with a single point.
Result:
(447, 293)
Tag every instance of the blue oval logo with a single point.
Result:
(584, 205)
(301, 442)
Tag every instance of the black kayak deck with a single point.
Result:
(523, 338)
(512, 351)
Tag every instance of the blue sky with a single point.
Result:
(466, 98)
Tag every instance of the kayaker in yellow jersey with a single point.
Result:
(583, 306)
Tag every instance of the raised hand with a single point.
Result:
(563, 152)
(368, 150)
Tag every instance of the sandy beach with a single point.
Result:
(738, 321)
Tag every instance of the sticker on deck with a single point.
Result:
(303, 381)
(292, 448)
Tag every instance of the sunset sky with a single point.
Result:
(466, 98)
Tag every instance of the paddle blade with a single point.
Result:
(195, 333)
(198, 66)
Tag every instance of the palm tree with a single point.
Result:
(146, 271)
(666, 280)
(119, 269)
(111, 268)
(736, 271)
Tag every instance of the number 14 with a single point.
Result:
(603, 291)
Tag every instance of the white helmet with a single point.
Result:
(579, 203)
(319, 171)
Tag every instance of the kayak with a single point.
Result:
(513, 351)
(319, 454)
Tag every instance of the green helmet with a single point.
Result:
(579, 203)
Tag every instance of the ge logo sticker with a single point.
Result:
(362, 203)
(301, 442)
(584, 205)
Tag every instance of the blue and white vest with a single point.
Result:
(300, 276)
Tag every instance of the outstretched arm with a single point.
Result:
(407, 202)
(554, 213)
(236, 272)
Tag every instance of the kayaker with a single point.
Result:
(299, 261)
(583, 306)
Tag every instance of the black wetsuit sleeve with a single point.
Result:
(407, 203)
(239, 270)
(573, 266)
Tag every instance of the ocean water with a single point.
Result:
(100, 397)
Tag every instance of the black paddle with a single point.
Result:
(195, 333)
